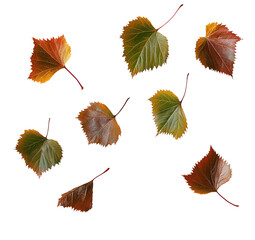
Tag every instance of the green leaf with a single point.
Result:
(144, 47)
(168, 114)
(39, 153)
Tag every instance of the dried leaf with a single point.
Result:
(79, 198)
(209, 174)
(49, 56)
(99, 124)
(217, 49)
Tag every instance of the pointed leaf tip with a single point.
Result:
(209, 174)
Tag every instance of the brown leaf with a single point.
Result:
(99, 124)
(209, 174)
(217, 49)
(79, 198)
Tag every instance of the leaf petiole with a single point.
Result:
(122, 107)
(48, 128)
(227, 200)
(100, 174)
(74, 77)
(170, 18)
(185, 88)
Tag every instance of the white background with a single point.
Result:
(143, 195)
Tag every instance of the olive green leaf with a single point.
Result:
(144, 47)
(168, 114)
(39, 153)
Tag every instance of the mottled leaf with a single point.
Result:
(99, 124)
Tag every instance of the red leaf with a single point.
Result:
(209, 174)
(217, 49)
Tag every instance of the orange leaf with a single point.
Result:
(99, 124)
(49, 56)
(209, 174)
(79, 198)
(217, 49)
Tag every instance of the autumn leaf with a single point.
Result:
(79, 198)
(168, 114)
(99, 124)
(39, 153)
(217, 49)
(49, 56)
(144, 47)
(209, 174)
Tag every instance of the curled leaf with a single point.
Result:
(79, 198)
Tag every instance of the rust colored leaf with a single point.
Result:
(99, 124)
(209, 174)
(79, 198)
(217, 49)
(49, 56)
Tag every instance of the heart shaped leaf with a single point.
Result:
(99, 124)
(144, 47)
(168, 114)
(39, 153)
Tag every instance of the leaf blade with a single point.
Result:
(39, 153)
(169, 116)
(144, 47)
(217, 49)
(49, 56)
(99, 124)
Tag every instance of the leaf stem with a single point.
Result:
(100, 174)
(185, 88)
(74, 77)
(48, 128)
(121, 108)
(170, 18)
(227, 200)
